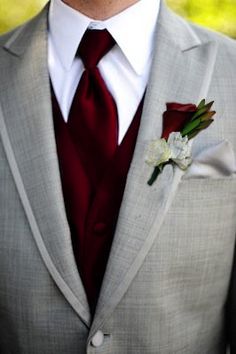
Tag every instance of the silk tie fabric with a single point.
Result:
(94, 114)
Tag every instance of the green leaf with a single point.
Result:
(207, 116)
(192, 135)
(205, 124)
(190, 126)
(203, 110)
(201, 104)
(202, 126)
(209, 105)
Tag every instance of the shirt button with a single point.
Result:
(99, 228)
(97, 339)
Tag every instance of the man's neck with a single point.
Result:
(100, 9)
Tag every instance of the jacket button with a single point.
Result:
(97, 339)
(99, 228)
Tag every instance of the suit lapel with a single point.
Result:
(181, 72)
(28, 137)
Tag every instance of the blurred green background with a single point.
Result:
(216, 14)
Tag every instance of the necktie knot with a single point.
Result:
(93, 46)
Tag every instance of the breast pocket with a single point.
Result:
(198, 233)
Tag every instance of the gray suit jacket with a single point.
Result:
(167, 282)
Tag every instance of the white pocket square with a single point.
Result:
(213, 162)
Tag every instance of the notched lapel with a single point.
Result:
(181, 72)
(28, 136)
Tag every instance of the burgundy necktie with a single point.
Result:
(94, 115)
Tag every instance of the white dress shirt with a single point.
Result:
(125, 69)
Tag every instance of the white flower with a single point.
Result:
(180, 150)
(176, 148)
(158, 152)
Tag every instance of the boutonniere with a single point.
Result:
(181, 122)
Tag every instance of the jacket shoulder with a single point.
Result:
(25, 28)
(12, 33)
(224, 42)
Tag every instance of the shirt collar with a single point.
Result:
(133, 30)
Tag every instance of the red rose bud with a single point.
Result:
(176, 116)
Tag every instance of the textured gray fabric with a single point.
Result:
(168, 274)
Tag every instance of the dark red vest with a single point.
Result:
(92, 214)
